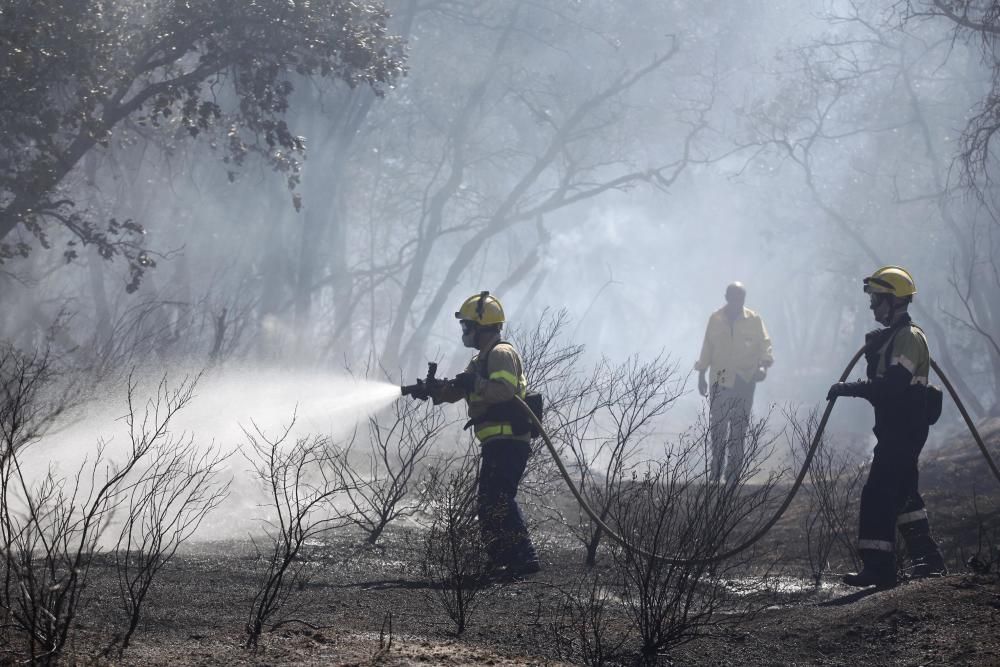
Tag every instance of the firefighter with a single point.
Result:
(896, 386)
(737, 349)
(489, 383)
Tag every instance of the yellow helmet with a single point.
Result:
(894, 280)
(483, 309)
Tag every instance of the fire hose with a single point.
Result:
(753, 539)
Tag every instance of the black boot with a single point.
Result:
(879, 570)
(931, 566)
(925, 557)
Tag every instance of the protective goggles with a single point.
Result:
(877, 286)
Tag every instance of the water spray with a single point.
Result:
(225, 403)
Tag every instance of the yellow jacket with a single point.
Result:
(732, 348)
(499, 377)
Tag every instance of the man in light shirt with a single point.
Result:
(734, 357)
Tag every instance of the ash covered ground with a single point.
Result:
(362, 605)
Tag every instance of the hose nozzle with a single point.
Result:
(423, 389)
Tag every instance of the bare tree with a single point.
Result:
(976, 282)
(515, 145)
(399, 444)
(550, 361)
(589, 628)
(628, 401)
(974, 22)
(28, 404)
(454, 562)
(834, 106)
(181, 484)
(832, 496)
(50, 527)
(987, 554)
(553, 367)
(301, 482)
(674, 511)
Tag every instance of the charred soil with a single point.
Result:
(363, 605)
(368, 607)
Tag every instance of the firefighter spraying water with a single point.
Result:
(492, 385)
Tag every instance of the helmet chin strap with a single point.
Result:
(891, 315)
(896, 306)
(884, 300)
(477, 336)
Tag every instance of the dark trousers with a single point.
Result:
(500, 519)
(890, 494)
(729, 416)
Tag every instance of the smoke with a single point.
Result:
(638, 268)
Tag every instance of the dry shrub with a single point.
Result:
(455, 563)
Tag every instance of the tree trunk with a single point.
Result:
(102, 311)
(95, 272)
(325, 180)
(595, 541)
(276, 279)
(343, 287)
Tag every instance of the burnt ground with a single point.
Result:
(198, 608)
(196, 614)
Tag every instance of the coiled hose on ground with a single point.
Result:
(750, 541)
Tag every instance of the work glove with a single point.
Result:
(852, 389)
(702, 386)
(467, 381)
(837, 389)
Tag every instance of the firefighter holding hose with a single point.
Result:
(896, 386)
(489, 385)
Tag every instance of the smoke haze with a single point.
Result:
(622, 161)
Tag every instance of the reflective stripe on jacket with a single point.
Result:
(897, 382)
(909, 350)
(497, 381)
